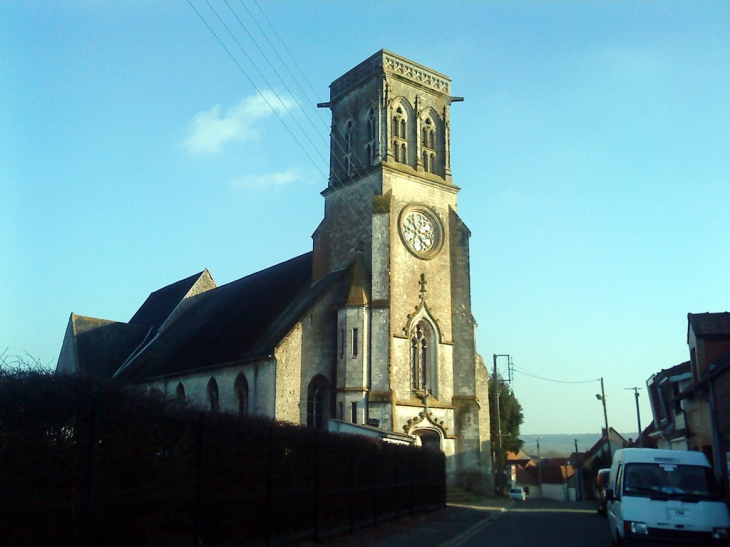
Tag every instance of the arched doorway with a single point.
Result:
(428, 439)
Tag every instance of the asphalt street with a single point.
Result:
(539, 523)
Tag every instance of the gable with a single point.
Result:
(98, 347)
(161, 304)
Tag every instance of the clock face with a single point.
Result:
(421, 231)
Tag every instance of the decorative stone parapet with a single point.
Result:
(384, 62)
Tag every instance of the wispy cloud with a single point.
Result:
(268, 180)
(210, 130)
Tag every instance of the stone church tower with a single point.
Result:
(406, 349)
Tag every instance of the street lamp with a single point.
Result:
(602, 398)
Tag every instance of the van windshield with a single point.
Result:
(670, 480)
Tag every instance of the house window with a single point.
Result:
(342, 343)
(213, 395)
(353, 412)
(354, 342)
(318, 402)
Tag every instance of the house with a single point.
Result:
(369, 330)
(547, 479)
(597, 457)
(706, 402)
(669, 425)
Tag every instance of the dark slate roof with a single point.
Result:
(161, 303)
(709, 324)
(102, 346)
(242, 320)
(676, 370)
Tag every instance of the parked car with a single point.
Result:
(601, 485)
(665, 497)
(517, 494)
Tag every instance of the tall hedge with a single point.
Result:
(84, 462)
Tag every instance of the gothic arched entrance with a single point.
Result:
(429, 439)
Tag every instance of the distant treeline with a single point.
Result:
(560, 445)
(84, 462)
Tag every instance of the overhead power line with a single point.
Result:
(538, 377)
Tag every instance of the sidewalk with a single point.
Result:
(441, 528)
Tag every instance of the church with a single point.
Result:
(369, 332)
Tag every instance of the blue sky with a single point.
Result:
(592, 150)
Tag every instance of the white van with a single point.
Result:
(665, 497)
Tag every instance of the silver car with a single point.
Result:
(517, 494)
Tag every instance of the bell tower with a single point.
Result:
(391, 205)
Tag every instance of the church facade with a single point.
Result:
(372, 331)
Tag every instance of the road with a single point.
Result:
(539, 523)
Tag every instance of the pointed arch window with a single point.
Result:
(419, 358)
(348, 137)
(180, 393)
(347, 148)
(318, 402)
(213, 395)
(370, 140)
(428, 145)
(241, 388)
(400, 132)
(424, 358)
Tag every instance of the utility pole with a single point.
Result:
(500, 467)
(602, 398)
(539, 468)
(579, 479)
(638, 414)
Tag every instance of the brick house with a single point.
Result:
(707, 399)
(669, 429)
(372, 328)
